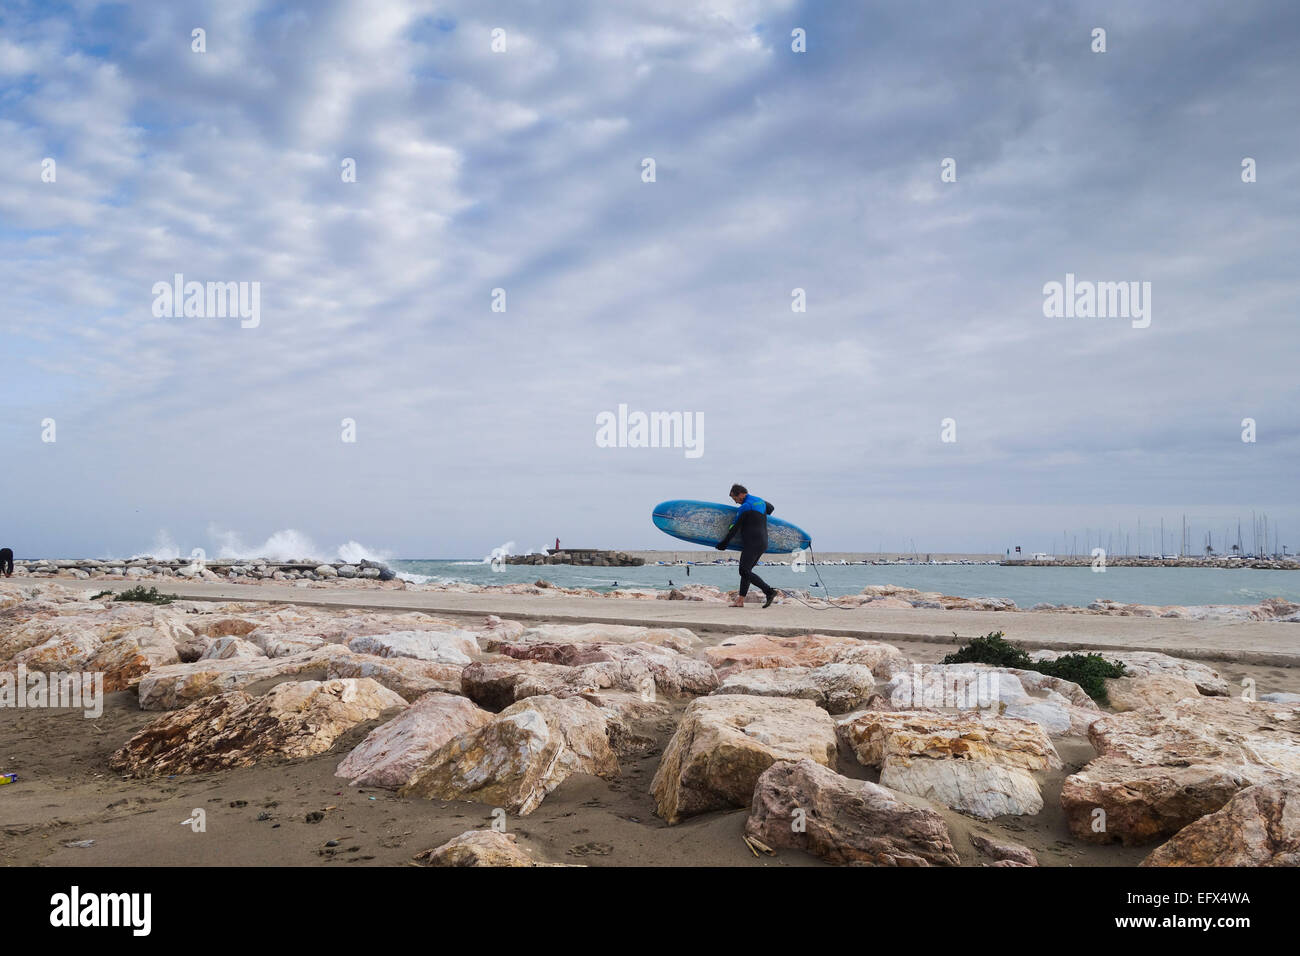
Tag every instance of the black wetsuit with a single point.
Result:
(751, 524)
(6, 562)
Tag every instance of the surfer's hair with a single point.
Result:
(738, 490)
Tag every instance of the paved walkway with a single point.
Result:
(1251, 642)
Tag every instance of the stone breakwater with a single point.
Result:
(582, 557)
(259, 569)
(1288, 563)
(500, 713)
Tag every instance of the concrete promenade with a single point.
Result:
(1248, 642)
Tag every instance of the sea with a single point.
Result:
(1026, 586)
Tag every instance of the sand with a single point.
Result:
(67, 794)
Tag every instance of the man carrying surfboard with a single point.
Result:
(751, 523)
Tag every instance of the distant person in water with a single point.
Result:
(7, 562)
(751, 524)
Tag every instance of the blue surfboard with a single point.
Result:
(706, 523)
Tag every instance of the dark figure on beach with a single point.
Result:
(688, 570)
(751, 524)
(6, 562)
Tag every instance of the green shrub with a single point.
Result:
(151, 596)
(101, 594)
(1089, 671)
(993, 649)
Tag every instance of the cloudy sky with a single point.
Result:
(522, 170)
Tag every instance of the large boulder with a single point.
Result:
(176, 685)
(68, 652)
(976, 764)
(277, 643)
(633, 721)
(44, 635)
(805, 806)
(520, 756)
(480, 848)
(837, 688)
(1152, 690)
(673, 673)
(1003, 853)
(214, 627)
(407, 676)
(724, 743)
(228, 648)
(125, 660)
(291, 721)
(444, 647)
(1260, 826)
(1162, 768)
(750, 651)
(395, 750)
(496, 684)
(1060, 707)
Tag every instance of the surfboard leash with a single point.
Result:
(829, 605)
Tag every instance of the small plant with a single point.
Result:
(150, 596)
(101, 594)
(993, 649)
(1089, 671)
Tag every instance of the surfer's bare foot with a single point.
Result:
(740, 603)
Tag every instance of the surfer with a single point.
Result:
(751, 523)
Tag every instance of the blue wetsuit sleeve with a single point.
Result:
(751, 503)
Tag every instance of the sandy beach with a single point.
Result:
(298, 812)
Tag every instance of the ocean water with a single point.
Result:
(1025, 586)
